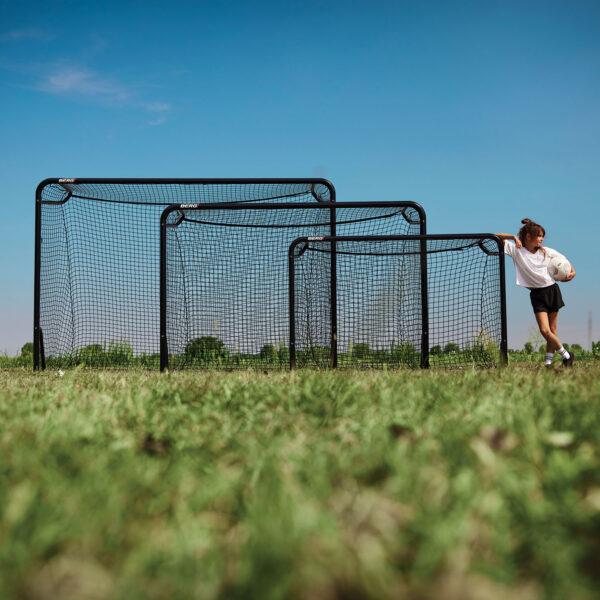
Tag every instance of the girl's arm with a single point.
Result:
(510, 236)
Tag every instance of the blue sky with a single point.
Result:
(484, 112)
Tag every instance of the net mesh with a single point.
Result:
(379, 302)
(227, 300)
(99, 262)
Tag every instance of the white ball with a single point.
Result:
(558, 268)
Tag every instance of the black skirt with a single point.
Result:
(547, 299)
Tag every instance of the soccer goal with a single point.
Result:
(434, 300)
(96, 298)
(224, 275)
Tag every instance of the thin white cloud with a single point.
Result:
(26, 34)
(157, 107)
(156, 122)
(77, 82)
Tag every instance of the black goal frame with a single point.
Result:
(39, 357)
(424, 286)
(402, 206)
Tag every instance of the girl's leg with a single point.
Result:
(543, 321)
(553, 323)
(548, 324)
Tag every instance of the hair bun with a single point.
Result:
(530, 228)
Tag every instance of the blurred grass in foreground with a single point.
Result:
(475, 484)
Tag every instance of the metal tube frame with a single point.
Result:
(38, 353)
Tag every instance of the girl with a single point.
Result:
(531, 262)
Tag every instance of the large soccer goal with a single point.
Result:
(434, 300)
(224, 275)
(97, 246)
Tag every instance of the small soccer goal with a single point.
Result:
(97, 255)
(224, 275)
(434, 300)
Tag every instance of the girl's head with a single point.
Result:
(531, 233)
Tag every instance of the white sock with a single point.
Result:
(563, 352)
(549, 357)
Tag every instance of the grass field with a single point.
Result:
(409, 484)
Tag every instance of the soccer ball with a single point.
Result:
(558, 268)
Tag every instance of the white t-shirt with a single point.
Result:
(532, 268)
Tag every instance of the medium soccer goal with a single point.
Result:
(97, 245)
(433, 300)
(224, 275)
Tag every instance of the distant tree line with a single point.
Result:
(210, 351)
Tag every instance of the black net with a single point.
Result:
(227, 293)
(99, 301)
(380, 302)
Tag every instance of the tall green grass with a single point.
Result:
(476, 484)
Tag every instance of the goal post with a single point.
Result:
(417, 300)
(224, 275)
(97, 259)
